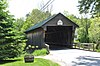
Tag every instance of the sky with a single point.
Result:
(19, 8)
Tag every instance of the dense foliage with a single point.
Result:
(34, 17)
(83, 27)
(89, 29)
(93, 7)
(94, 31)
(11, 40)
(40, 52)
(89, 6)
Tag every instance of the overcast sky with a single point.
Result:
(19, 8)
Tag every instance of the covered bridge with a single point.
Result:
(56, 30)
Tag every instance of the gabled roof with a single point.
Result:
(45, 21)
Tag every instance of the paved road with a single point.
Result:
(74, 57)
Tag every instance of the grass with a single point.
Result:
(20, 62)
(37, 61)
(40, 52)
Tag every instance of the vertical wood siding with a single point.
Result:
(41, 35)
(35, 37)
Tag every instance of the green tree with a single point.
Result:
(89, 6)
(94, 31)
(72, 17)
(34, 17)
(11, 41)
(83, 27)
(93, 7)
(83, 30)
(19, 23)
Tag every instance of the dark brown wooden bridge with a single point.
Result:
(56, 30)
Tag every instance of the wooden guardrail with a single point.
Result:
(84, 46)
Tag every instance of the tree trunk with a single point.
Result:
(98, 44)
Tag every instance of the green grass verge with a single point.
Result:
(40, 52)
(20, 62)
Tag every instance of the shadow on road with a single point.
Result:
(87, 61)
(53, 47)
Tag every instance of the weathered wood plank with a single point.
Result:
(35, 38)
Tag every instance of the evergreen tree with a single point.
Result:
(10, 39)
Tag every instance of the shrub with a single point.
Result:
(40, 52)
